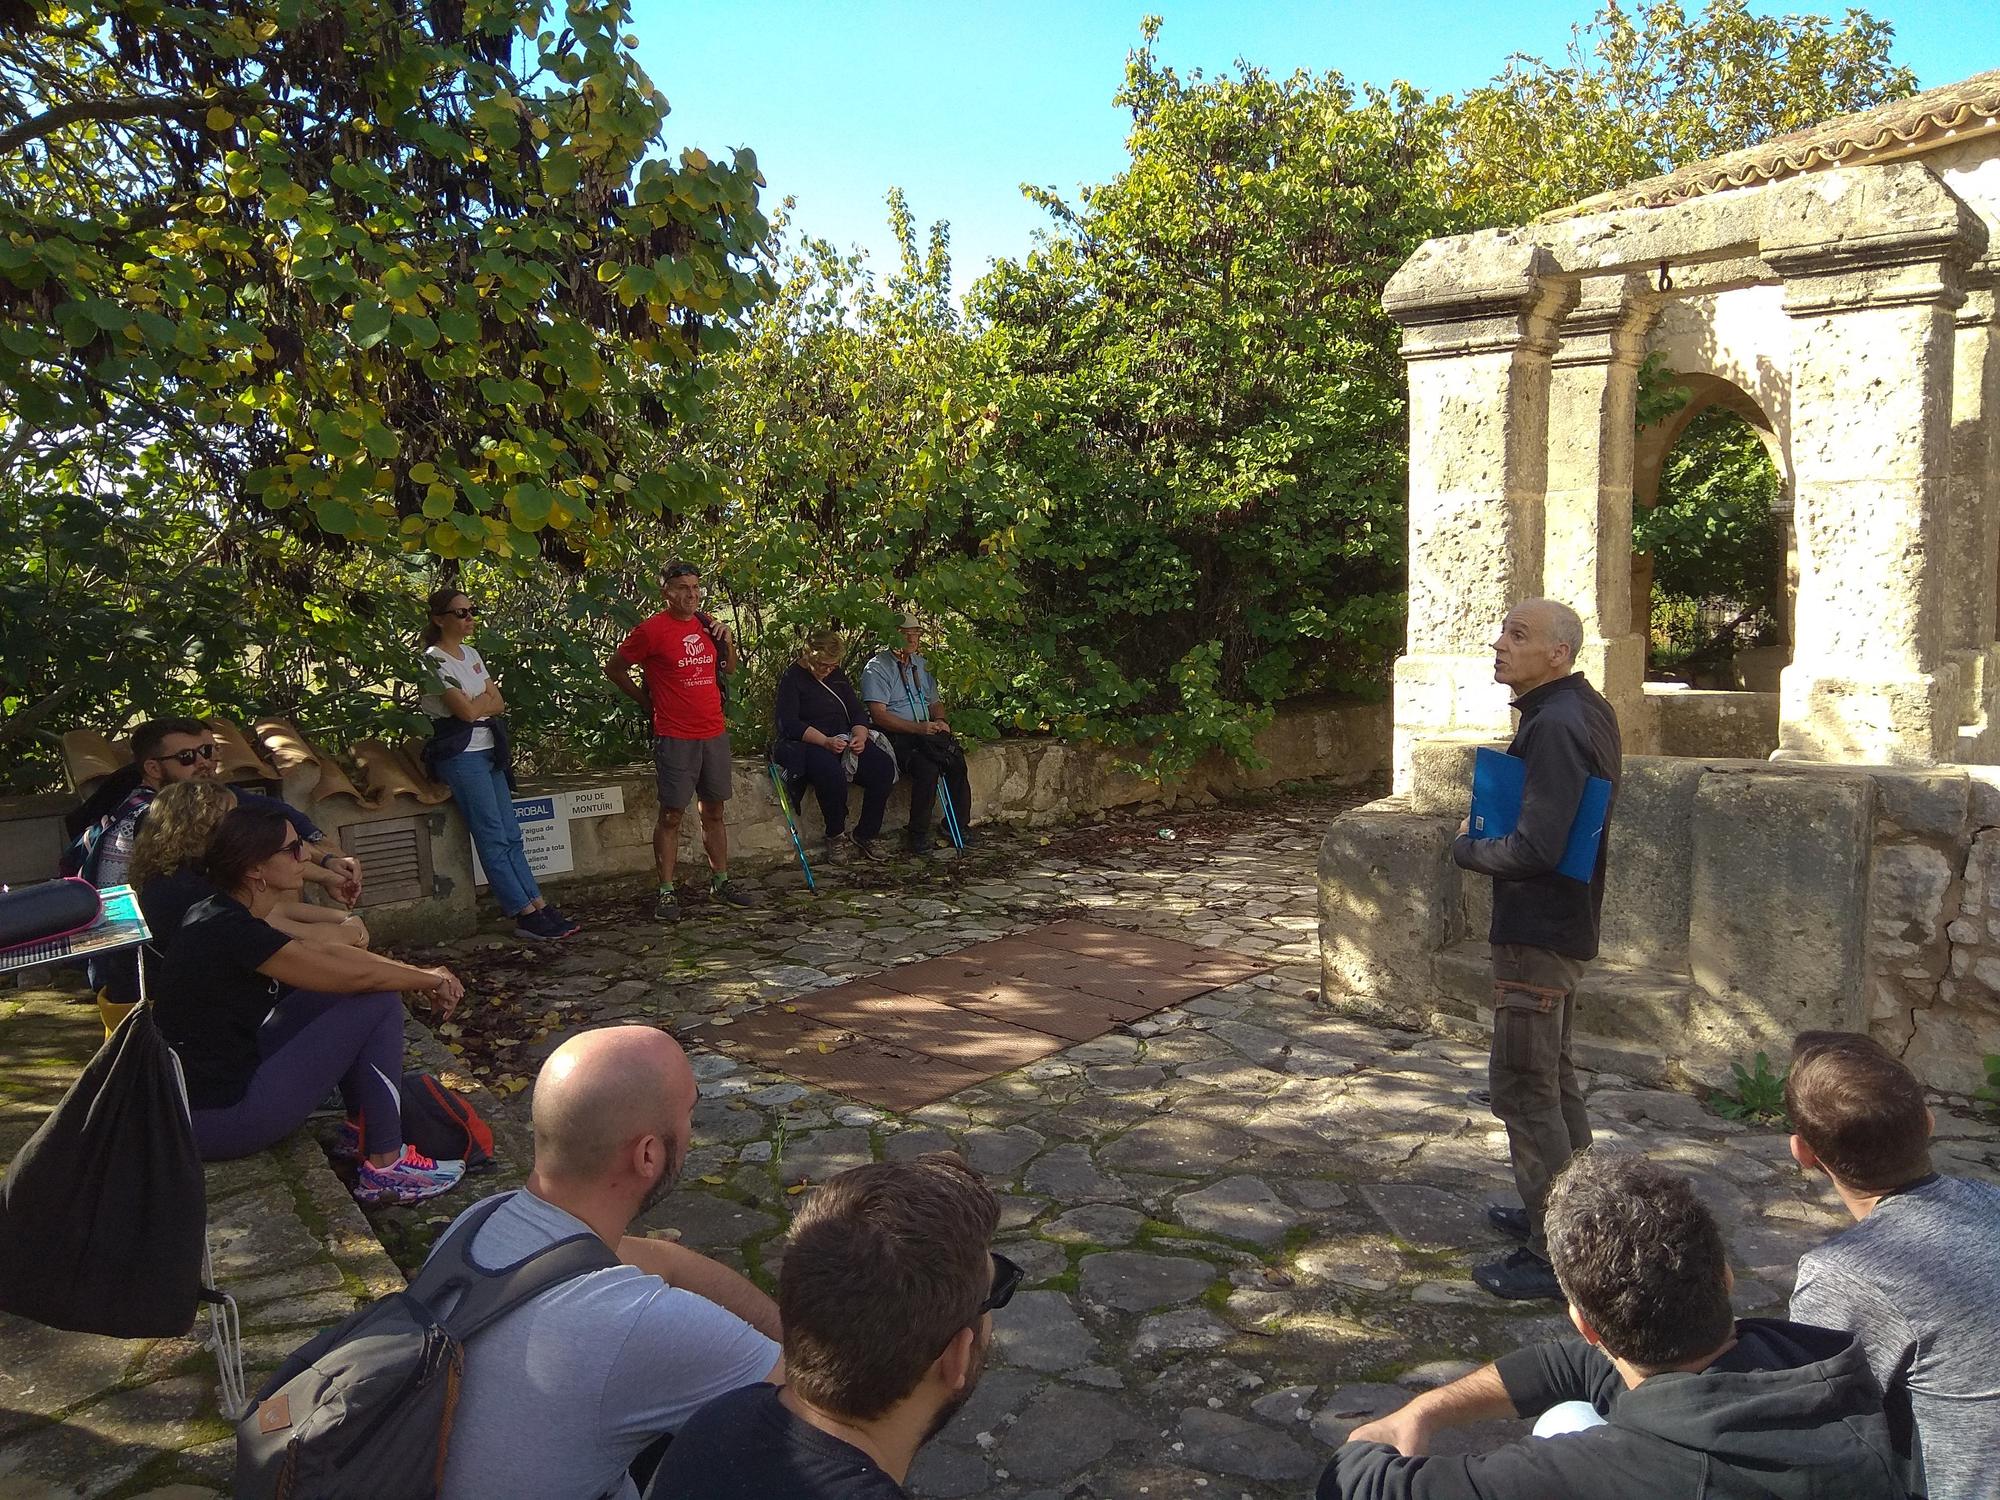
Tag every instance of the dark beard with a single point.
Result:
(952, 1407)
(658, 1191)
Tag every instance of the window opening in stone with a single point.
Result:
(1715, 538)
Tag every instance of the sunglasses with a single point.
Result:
(1007, 1279)
(462, 614)
(189, 756)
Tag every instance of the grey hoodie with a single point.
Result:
(1790, 1413)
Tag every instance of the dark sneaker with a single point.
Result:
(566, 925)
(729, 893)
(918, 846)
(667, 908)
(536, 926)
(1522, 1277)
(1509, 1221)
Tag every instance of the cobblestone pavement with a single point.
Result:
(1248, 1221)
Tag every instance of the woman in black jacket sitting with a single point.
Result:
(823, 735)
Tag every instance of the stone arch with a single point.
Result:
(1708, 391)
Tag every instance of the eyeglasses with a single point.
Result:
(1007, 1279)
(296, 848)
(189, 756)
(467, 613)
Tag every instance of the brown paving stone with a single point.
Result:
(888, 1077)
(917, 1032)
(767, 1032)
(947, 1032)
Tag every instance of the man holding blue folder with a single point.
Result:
(1545, 922)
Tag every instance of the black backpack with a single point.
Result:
(364, 1410)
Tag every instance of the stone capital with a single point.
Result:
(1607, 323)
(1477, 294)
(1854, 238)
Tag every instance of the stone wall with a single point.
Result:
(1747, 901)
(1700, 721)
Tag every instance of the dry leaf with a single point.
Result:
(710, 1178)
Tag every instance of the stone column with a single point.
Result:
(1478, 316)
(1872, 259)
(1972, 516)
(1587, 549)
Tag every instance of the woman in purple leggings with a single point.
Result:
(265, 1024)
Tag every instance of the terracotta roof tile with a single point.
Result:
(1907, 127)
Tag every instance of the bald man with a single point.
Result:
(1545, 925)
(563, 1396)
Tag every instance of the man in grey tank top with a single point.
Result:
(1917, 1279)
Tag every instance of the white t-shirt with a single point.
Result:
(468, 674)
(561, 1395)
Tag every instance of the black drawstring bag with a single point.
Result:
(103, 1213)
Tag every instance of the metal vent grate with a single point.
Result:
(395, 857)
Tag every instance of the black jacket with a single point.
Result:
(449, 736)
(807, 702)
(1568, 734)
(1790, 1413)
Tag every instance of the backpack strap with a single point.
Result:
(484, 1295)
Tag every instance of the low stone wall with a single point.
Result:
(1031, 781)
(1747, 901)
(1701, 721)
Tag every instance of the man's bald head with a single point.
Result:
(1539, 641)
(601, 1091)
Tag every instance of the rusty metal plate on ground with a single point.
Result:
(920, 1032)
(949, 1033)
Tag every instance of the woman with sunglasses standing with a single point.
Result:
(264, 1024)
(468, 752)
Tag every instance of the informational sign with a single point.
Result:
(544, 823)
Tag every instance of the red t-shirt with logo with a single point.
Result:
(678, 659)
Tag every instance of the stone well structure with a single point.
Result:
(1837, 289)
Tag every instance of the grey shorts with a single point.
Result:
(687, 768)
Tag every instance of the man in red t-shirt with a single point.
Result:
(679, 650)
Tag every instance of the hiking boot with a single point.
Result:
(729, 893)
(538, 926)
(1509, 1221)
(667, 908)
(1521, 1277)
(919, 846)
(870, 850)
(411, 1178)
(566, 926)
(835, 850)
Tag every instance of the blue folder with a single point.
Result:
(1497, 782)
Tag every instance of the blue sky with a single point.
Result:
(959, 103)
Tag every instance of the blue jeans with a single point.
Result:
(488, 809)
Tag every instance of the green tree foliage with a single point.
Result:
(1204, 397)
(853, 424)
(1713, 540)
(1643, 91)
(395, 271)
(291, 290)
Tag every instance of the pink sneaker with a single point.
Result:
(411, 1178)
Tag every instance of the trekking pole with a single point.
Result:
(791, 824)
(944, 795)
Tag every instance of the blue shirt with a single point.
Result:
(907, 691)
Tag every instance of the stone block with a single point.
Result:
(1742, 726)
(1386, 886)
(1926, 804)
(1649, 875)
(1441, 784)
(1907, 888)
(1779, 883)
